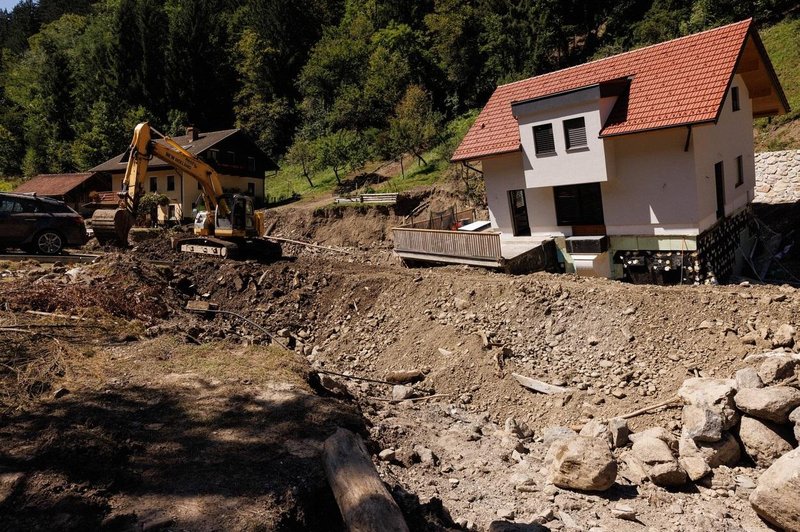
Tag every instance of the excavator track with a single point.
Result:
(207, 245)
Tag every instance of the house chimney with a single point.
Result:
(192, 132)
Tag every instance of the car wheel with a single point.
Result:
(49, 243)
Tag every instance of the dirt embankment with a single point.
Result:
(225, 434)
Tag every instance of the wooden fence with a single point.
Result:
(448, 243)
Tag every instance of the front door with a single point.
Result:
(519, 213)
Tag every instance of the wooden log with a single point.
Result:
(671, 401)
(404, 376)
(306, 244)
(363, 500)
(539, 386)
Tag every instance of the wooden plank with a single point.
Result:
(365, 503)
(539, 386)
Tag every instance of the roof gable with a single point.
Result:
(204, 142)
(674, 83)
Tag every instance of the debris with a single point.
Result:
(647, 409)
(401, 392)
(748, 378)
(307, 244)
(699, 458)
(61, 392)
(784, 336)
(777, 367)
(709, 407)
(623, 511)
(652, 458)
(539, 386)
(387, 455)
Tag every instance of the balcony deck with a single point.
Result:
(486, 249)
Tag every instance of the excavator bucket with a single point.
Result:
(111, 226)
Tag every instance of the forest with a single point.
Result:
(319, 83)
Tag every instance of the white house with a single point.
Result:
(636, 164)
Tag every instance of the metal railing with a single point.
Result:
(447, 243)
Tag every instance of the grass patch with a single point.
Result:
(221, 360)
(782, 42)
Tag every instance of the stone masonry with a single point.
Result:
(777, 176)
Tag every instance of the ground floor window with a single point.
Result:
(579, 204)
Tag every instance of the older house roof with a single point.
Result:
(204, 141)
(53, 184)
(678, 82)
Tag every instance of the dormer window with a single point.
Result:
(735, 98)
(575, 133)
(543, 139)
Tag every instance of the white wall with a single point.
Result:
(503, 173)
(581, 165)
(730, 137)
(653, 191)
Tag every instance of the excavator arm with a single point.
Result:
(114, 225)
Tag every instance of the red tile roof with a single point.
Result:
(677, 82)
(53, 184)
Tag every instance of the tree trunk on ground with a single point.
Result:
(363, 500)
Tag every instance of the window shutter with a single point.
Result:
(575, 133)
(543, 139)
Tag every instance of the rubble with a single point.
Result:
(699, 458)
(709, 407)
(777, 367)
(651, 458)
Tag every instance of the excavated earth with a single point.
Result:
(160, 418)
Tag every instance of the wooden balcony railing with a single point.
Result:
(477, 246)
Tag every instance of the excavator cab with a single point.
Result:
(235, 216)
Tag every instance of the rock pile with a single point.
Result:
(725, 422)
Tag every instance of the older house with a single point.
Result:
(638, 165)
(74, 189)
(242, 167)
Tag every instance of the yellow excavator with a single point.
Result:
(229, 227)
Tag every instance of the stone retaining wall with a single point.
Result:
(777, 176)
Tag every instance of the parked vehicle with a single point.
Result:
(38, 224)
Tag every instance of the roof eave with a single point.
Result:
(484, 155)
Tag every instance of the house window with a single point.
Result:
(251, 164)
(575, 133)
(213, 155)
(153, 184)
(739, 171)
(543, 139)
(719, 188)
(251, 189)
(170, 182)
(579, 204)
(735, 98)
(231, 157)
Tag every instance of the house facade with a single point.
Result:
(639, 165)
(242, 167)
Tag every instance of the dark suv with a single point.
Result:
(39, 225)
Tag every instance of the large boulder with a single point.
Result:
(581, 463)
(777, 367)
(652, 458)
(777, 495)
(763, 441)
(699, 458)
(709, 407)
(772, 404)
